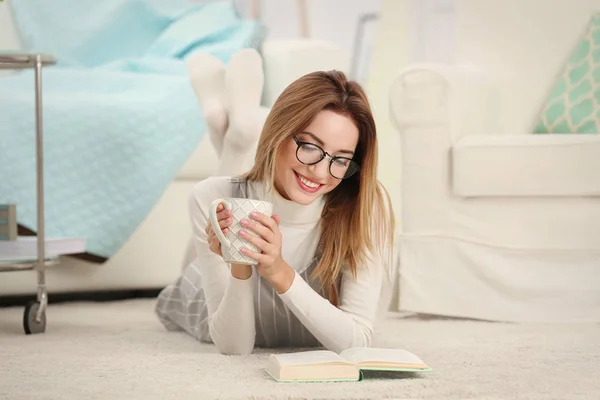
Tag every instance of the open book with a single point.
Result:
(324, 365)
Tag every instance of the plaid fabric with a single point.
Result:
(182, 306)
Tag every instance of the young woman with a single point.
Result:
(324, 250)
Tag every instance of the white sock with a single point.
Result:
(236, 159)
(244, 81)
(207, 77)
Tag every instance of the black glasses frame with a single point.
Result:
(324, 154)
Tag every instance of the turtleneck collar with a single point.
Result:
(292, 213)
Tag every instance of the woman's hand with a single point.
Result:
(239, 271)
(225, 221)
(270, 264)
(269, 242)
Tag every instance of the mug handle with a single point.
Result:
(212, 215)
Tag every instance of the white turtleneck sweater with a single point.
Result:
(243, 314)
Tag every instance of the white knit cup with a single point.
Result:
(231, 244)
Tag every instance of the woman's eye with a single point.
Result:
(309, 148)
(342, 162)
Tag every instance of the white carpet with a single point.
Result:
(119, 351)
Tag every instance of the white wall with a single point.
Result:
(523, 45)
(433, 30)
(332, 20)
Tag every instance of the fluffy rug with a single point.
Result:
(119, 351)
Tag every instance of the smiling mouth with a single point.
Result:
(306, 184)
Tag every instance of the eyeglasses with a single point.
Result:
(311, 154)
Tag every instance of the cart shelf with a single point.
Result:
(34, 318)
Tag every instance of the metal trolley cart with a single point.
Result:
(34, 318)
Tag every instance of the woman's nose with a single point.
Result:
(320, 170)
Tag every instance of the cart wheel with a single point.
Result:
(29, 323)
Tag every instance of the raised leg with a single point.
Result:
(244, 82)
(207, 77)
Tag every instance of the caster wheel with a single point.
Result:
(29, 323)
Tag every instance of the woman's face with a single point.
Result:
(334, 133)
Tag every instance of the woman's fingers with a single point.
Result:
(215, 246)
(225, 223)
(253, 254)
(223, 214)
(258, 228)
(257, 241)
(277, 219)
(267, 221)
(224, 218)
(213, 243)
(210, 233)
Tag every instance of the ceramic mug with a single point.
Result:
(231, 245)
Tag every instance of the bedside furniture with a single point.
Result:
(15, 256)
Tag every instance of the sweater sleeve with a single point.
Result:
(350, 324)
(229, 300)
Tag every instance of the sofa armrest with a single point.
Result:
(526, 165)
(288, 60)
(462, 99)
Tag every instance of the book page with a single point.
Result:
(365, 355)
(308, 358)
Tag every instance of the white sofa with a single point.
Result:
(153, 256)
(497, 223)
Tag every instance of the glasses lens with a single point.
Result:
(342, 167)
(309, 154)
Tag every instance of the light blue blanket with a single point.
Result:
(120, 117)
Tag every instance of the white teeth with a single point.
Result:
(308, 183)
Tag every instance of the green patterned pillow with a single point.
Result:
(574, 103)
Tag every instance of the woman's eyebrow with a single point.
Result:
(315, 137)
(322, 143)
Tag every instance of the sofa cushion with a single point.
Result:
(573, 106)
(526, 165)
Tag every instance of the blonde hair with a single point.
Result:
(357, 217)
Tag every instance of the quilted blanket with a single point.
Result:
(120, 117)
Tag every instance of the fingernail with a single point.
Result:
(242, 233)
(254, 214)
(229, 220)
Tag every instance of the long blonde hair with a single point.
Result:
(357, 217)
